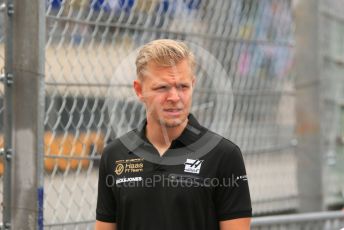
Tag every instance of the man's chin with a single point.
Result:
(172, 123)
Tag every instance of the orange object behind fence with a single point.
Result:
(71, 151)
(67, 151)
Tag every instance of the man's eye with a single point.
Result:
(161, 88)
(183, 86)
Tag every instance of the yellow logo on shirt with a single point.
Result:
(129, 166)
(119, 169)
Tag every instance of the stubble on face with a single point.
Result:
(172, 123)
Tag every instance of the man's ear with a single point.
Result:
(138, 89)
(193, 81)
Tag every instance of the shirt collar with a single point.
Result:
(191, 133)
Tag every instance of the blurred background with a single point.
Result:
(284, 60)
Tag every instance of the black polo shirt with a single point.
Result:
(199, 181)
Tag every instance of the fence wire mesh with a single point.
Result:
(89, 101)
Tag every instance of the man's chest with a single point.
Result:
(141, 182)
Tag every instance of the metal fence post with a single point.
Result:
(308, 88)
(28, 113)
(7, 81)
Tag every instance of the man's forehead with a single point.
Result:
(168, 77)
(172, 67)
(156, 71)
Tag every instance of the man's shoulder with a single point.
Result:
(225, 146)
(118, 144)
(224, 141)
(229, 156)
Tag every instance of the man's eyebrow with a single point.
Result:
(159, 84)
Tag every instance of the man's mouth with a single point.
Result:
(173, 111)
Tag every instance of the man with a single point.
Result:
(154, 177)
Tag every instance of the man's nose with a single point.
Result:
(173, 94)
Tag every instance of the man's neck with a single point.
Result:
(161, 136)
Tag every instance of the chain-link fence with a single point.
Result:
(90, 101)
(245, 44)
(245, 91)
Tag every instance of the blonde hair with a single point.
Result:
(163, 52)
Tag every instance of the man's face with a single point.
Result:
(166, 93)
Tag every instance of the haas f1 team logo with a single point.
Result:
(193, 166)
